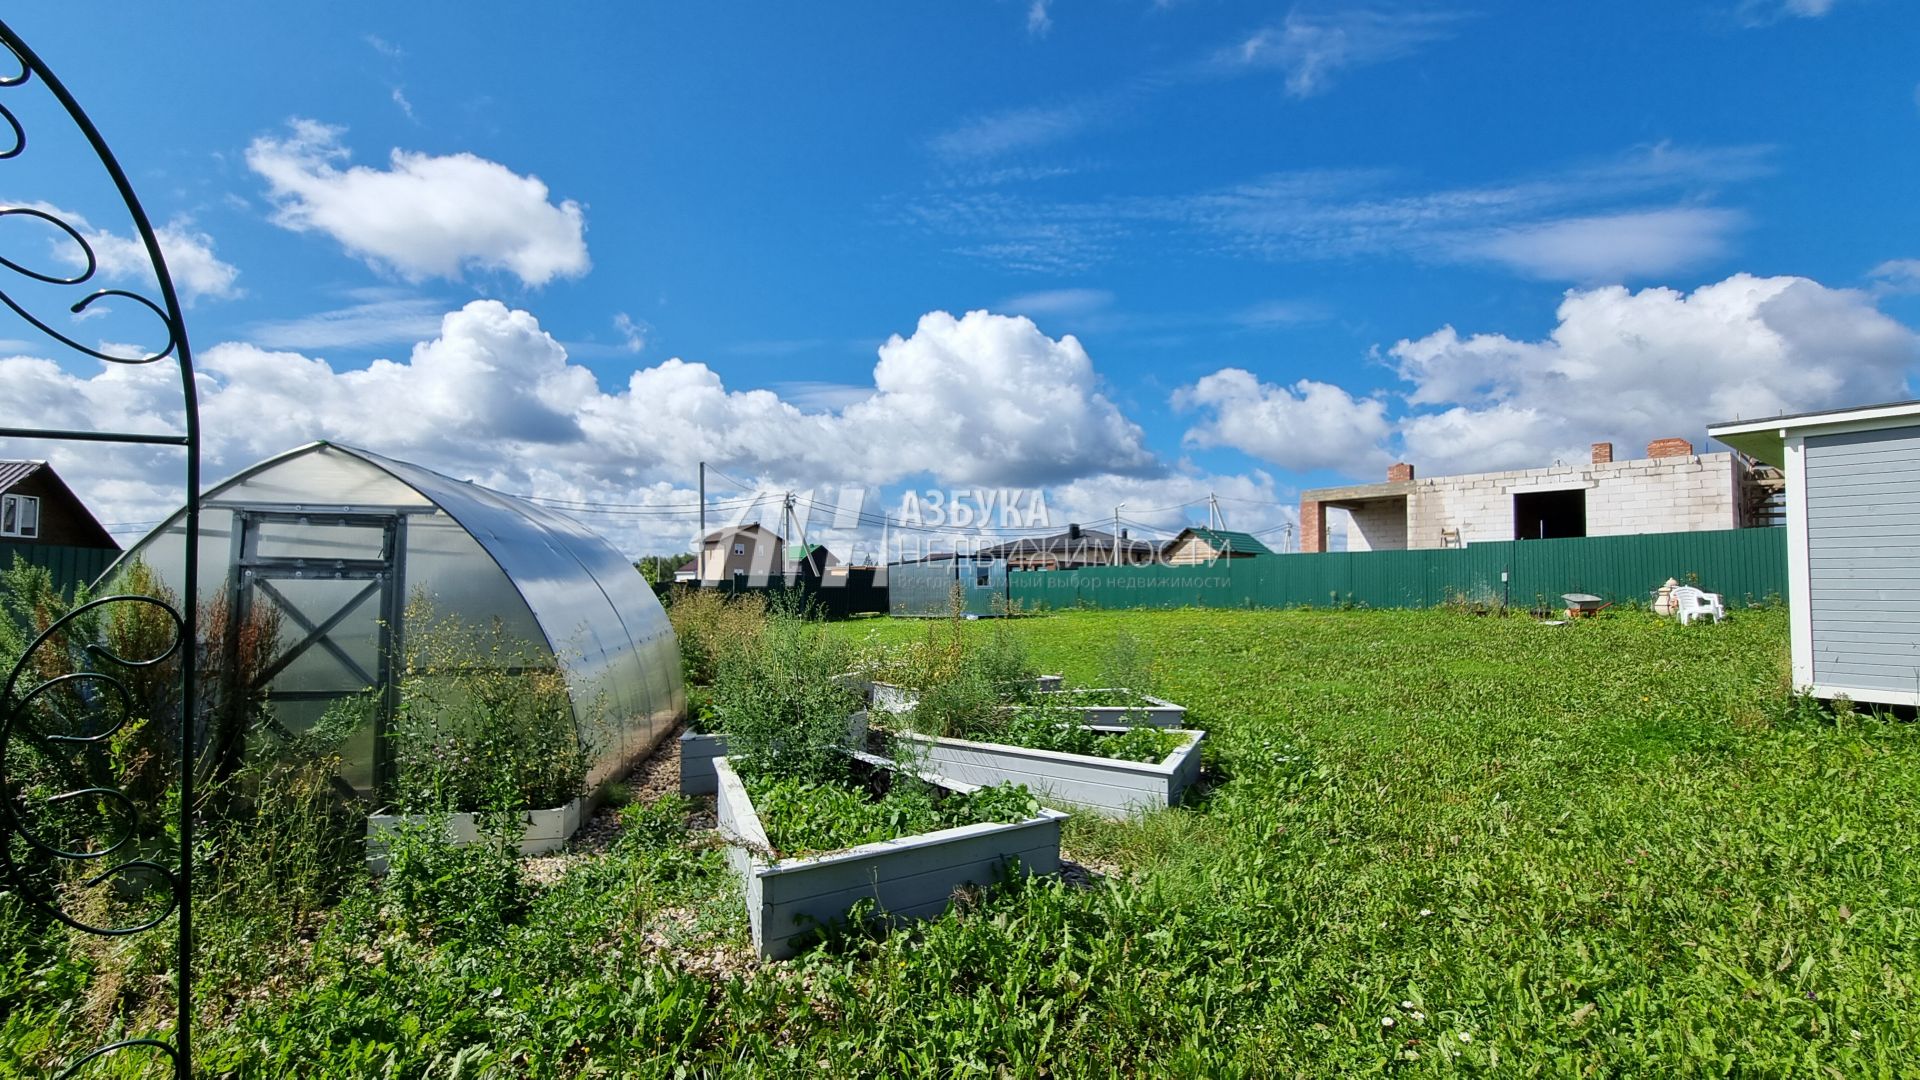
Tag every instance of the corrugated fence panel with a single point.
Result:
(1744, 565)
(69, 566)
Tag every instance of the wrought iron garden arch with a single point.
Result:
(99, 686)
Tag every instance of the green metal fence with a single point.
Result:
(1744, 565)
(69, 566)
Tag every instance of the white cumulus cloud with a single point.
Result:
(1309, 425)
(1619, 366)
(197, 271)
(1631, 366)
(425, 215)
(979, 398)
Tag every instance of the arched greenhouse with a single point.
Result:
(344, 547)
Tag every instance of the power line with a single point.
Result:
(731, 480)
(598, 505)
(685, 510)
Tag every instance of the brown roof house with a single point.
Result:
(756, 553)
(37, 507)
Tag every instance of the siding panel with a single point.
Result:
(1863, 496)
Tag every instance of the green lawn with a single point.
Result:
(1611, 848)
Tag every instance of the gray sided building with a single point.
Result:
(1853, 545)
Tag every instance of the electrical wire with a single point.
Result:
(711, 471)
(584, 504)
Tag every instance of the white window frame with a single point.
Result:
(739, 549)
(20, 516)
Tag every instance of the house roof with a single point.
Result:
(1766, 439)
(1066, 543)
(688, 567)
(718, 535)
(78, 513)
(1225, 539)
(12, 472)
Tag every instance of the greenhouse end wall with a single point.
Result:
(344, 541)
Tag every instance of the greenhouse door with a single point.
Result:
(336, 580)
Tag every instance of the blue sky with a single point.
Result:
(1211, 247)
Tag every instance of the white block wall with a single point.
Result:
(1378, 526)
(1643, 495)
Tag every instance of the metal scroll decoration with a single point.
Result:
(66, 823)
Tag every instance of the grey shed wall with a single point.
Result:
(925, 589)
(1863, 554)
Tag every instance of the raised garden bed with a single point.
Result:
(1124, 707)
(887, 697)
(541, 830)
(913, 877)
(1107, 786)
(700, 749)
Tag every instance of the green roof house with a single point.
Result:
(1197, 545)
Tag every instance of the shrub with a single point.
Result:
(464, 895)
(715, 630)
(484, 722)
(784, 711)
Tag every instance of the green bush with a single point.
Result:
(783, 709)
(458, 894)
(484, 722)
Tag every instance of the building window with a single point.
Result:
(20, 516)
(739, 549)
(1550, 515)
(982, 577)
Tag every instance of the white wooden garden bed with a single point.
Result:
(898, 699)
(1106, 786)
(913, 877)
(1157, 712)
(541, 830)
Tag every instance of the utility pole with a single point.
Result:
(1116, 533)
(700, 545)
(1215, 519)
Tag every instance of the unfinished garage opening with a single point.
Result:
(1550, 515)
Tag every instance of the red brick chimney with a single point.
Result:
(1399, 473)
(1660, 448)
(1602, 453)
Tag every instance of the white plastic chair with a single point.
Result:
(1690, 603)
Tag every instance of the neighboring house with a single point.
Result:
(811, 560)
(757, 553)
(687, 571)
(1672, 489)
(1065, 551)
(37, 507)
(1853, 554)
(1197, 545)
(749, 550)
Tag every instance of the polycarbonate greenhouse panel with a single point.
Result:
(474, 554)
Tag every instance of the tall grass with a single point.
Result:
(1618, 848)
